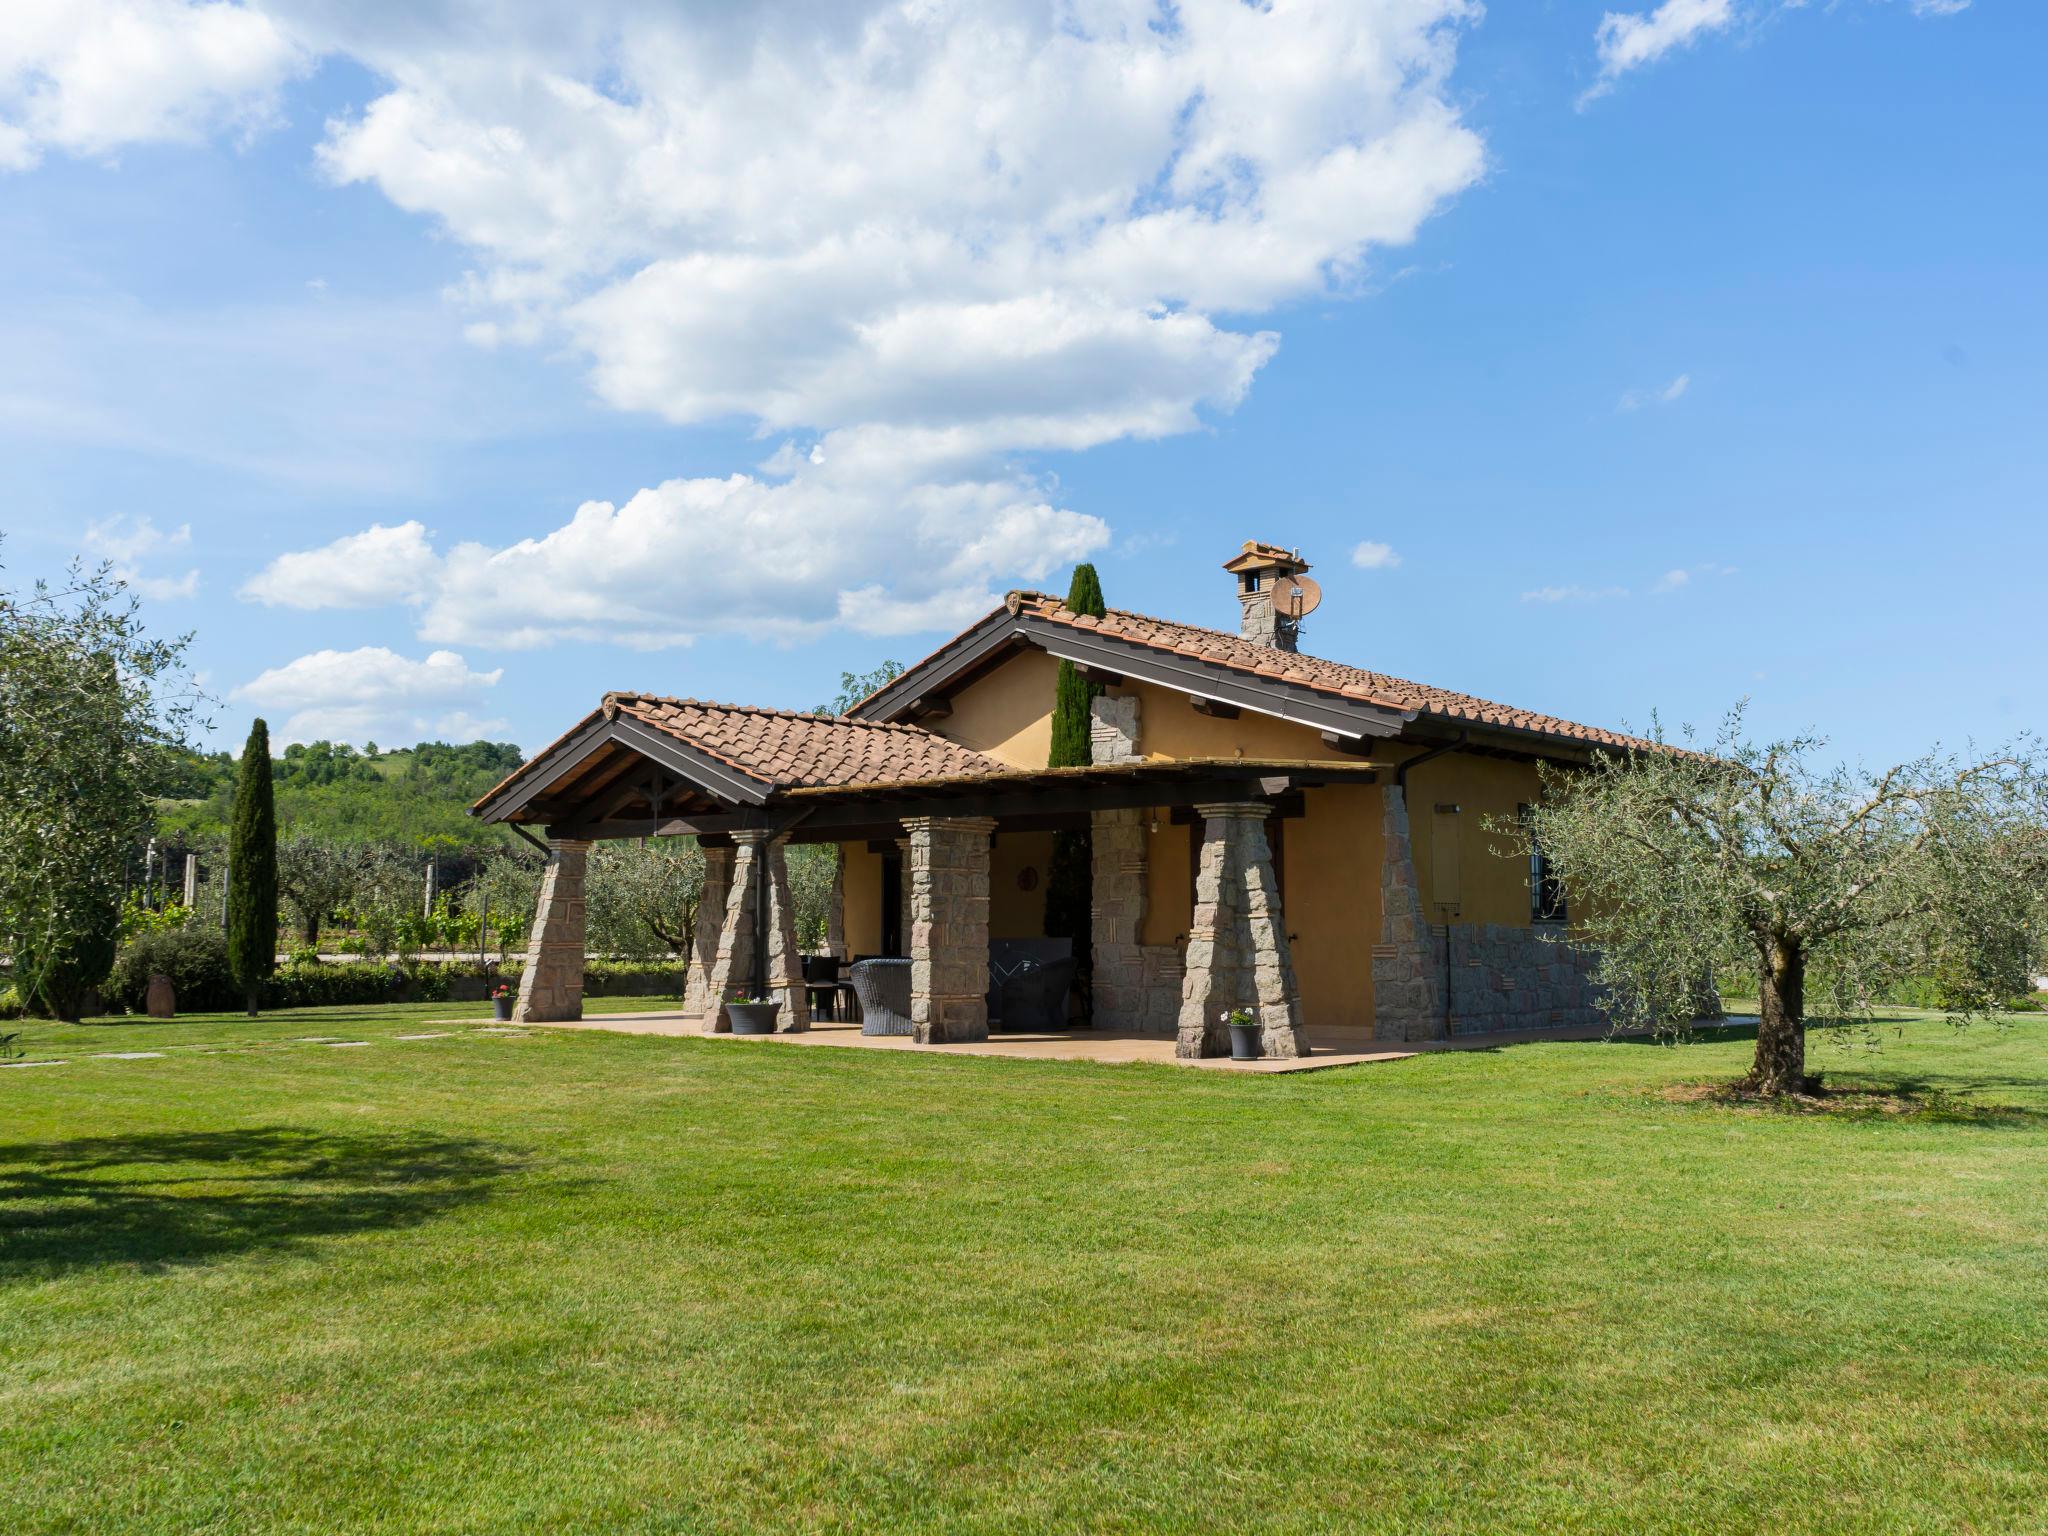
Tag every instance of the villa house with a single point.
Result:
(1271, 831)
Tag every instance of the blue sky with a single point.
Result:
(1670, 356)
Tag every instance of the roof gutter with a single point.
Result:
(1401, 773)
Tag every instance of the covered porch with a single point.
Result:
(747, 790)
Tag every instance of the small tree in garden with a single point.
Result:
(252, 871)
(92, 710)
(317, 878)
(642, 898)
(1069, 879)
(1828, 883)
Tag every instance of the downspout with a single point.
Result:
(1401, 783)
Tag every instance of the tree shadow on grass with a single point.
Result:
(1901, 1099)
(155, 1201)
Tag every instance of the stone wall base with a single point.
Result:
(1504, 977)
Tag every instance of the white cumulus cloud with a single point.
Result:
(1371, 555)
(1573, 594)
(363, 570)
(1627, 40)
(373, 693)
(917, 241)
(1636, 399)
(88, 76)
(127, 542)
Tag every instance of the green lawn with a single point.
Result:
(586, 1283)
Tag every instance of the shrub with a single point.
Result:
(195, 957)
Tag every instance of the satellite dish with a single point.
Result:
(1295, 597)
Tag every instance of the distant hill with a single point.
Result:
(418, 795)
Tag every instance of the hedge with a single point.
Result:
(196, 960)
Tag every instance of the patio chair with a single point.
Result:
(1032, 999)
(883, 989)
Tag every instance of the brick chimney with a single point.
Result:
(1258, 568)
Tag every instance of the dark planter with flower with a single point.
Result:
(753, 1015)
(501, 1003)
(1244, 1035)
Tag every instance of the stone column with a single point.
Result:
(711, 902)
(947, 875)
(1238, 956)
(551, 985)
(784, 970)
(1408, 975)
(1117, 845)
(732, 962)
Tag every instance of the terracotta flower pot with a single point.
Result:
(161, 1001)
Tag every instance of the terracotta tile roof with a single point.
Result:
(1240, 655)
(791, 750)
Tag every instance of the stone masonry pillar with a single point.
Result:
(1408, 978)
(760, 867)
(784, 970)
(947, 875)
(1117, 852)
(711, 901)
(732, 963)
(1238, 956)
(551, 984)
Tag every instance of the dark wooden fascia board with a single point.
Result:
(1111, 655)
(1205, 679)
(593, 736)
(717, 779)
(854, 820)
(973, 646)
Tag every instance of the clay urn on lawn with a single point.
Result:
(161, 1001)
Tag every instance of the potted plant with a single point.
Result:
(752, 1015)
(1244, 1034)
(501, 1001)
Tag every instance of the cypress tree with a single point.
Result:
(1069, 880)
(252, 871)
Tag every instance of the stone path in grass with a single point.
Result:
(326, 1042)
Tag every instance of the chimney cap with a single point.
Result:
(1256, 556)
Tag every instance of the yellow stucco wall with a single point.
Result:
(1013, 911)
(1006, 713)
(1168, 727)
(1490, 888)
(863, 889)
(1331, 897)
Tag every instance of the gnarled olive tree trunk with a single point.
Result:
(1780, 1065)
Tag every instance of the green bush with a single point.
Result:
(195, 957)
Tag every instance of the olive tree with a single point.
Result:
(317, 878)
(1829, 882)
(91, 708)
(641, 898)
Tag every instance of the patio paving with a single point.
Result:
(1109, 1046)
(1079, 1045)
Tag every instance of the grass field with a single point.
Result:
(584, 1282)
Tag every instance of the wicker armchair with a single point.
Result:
(883, 988)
